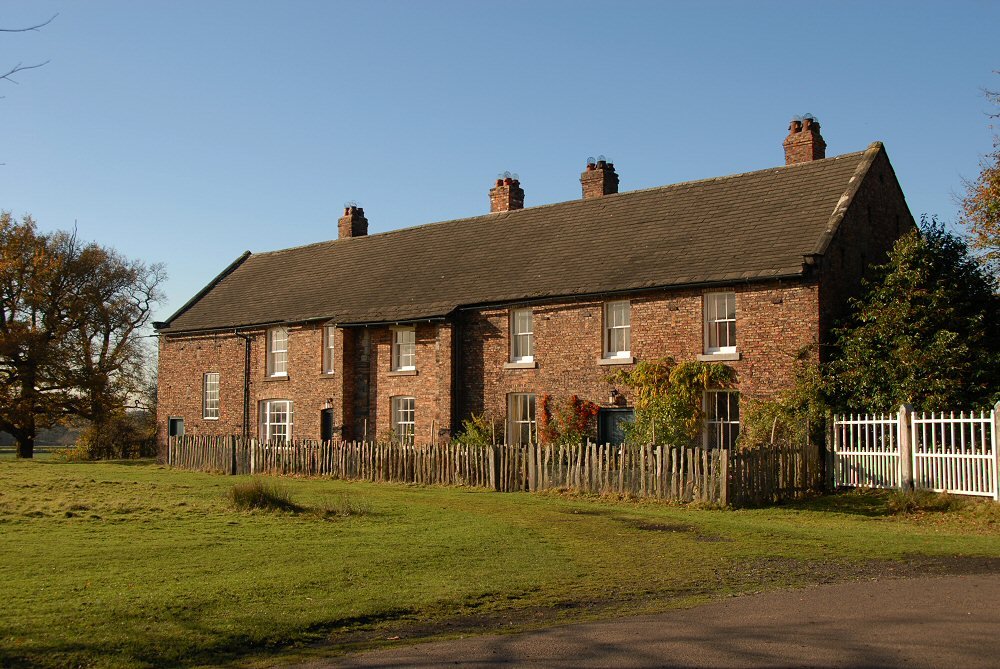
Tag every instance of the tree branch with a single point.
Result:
(29, 28)
(20, 68)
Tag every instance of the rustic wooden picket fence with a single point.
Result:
(717, 476)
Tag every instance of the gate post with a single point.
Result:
(995, 415)
(905, 434)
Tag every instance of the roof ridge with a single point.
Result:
(549, 205)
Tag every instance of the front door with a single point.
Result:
(611, 424)
(326, 425)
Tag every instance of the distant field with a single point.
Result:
(134, 565)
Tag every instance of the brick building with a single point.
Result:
(408, 332)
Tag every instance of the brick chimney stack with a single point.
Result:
(804, 143)
(599, 179)
(507, 194)
(353, 223)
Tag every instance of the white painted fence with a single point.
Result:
(944, 452)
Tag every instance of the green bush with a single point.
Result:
(479, 430)
(259, 494)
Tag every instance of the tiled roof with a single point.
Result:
(749, 226)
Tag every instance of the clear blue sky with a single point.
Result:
(188, 132)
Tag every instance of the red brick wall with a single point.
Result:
(185, 359)
(877, 216)
(773, 323)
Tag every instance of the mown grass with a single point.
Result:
(134, 565)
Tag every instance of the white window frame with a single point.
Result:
(721, 431)
(719, 323)
(614, 324)
(272, 427)
(404, 349)
(277, 351)
(522, 341)
(521, 416)
(210, 396)
(404, 413)
(329, 350)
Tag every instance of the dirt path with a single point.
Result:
(919, 622)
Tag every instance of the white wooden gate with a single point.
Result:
(942, 452)
(866, 451)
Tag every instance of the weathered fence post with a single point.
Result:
(905, 447)
(232, 449)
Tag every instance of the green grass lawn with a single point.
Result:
(135, 565)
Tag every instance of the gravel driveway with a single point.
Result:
(945, 621)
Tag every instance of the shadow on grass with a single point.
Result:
(157, 649)
(869, 503)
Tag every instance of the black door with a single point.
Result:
(326, 425)
(611, 425)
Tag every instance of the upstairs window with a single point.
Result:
(329, 338)
(403, 413)
(521, 428)
(404, 349)
(617, 330)
(210, 396)
(722, 418)
(277, 351)
(522, 336)
(720, 323)
(276, 420)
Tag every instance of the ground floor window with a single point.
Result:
(403, 413)
(521, 418)
(722, 418)
(276, 420)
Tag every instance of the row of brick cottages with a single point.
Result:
(408, 332)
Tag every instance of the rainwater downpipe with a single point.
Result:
(246, 383)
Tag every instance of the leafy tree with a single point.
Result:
(927, 332)
(981, 204)
(70, 321)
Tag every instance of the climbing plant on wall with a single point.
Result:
(668, 398)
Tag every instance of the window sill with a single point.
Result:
(403, 372)
(269, 379)
(617, 361)
(209, 418)
(720, 357)
(327, 375)
(521, 365)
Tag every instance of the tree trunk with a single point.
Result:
(26, 446)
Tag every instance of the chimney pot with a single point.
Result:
(804, 143)
(507, 194)
(599, 179)
(353, 223)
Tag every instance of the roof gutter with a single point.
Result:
(630, 291)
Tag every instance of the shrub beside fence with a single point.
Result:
(739, 478)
